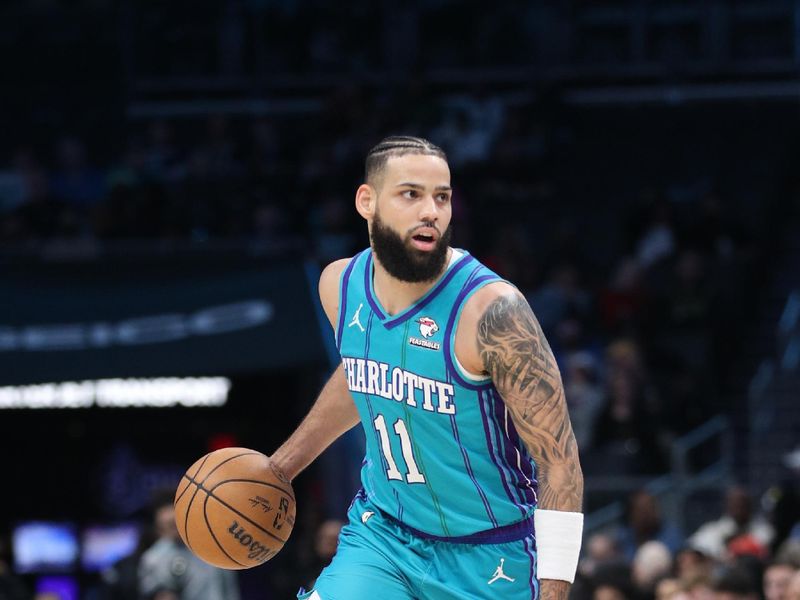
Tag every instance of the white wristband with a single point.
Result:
(558, 543)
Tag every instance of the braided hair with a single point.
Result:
(397, 145)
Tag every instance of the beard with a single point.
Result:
(404, 262)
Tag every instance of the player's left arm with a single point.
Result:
(514, 352)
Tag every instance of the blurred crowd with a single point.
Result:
(630, 283)
(744, 552)
(748, 550)
(163, 568)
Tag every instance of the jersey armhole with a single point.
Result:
(344, 281)
(454, 366)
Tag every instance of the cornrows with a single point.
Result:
(397, 145)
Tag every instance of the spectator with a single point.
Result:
(737, 519)
(644, 523)
(169, 571)
(669, 588)
(745, 546)
(691, 563)
(734, 584)
(686, 314)
(601, 550)
(622, 301)
(657, 240)
(699, 588)
(613, 582)
(777, 576)
(120, 581)
(793, 588)
(584, 396)
(626, 434)
(652, 562)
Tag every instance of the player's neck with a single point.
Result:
(396, 295)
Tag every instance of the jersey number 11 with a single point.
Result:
(413, 475)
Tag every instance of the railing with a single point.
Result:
(764, 404)
(789, 332)
(674, 488)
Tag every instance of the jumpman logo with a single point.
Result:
(498, 573)
(355, 320)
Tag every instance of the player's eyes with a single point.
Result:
(443, 197)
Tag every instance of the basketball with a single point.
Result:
(232, 510)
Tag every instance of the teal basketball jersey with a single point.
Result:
(443, 457)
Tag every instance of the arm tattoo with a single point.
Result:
(516, 354)
(553, 589)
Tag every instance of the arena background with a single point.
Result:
(173, 175)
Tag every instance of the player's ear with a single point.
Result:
(365, 201)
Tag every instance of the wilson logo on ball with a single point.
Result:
(258, 551)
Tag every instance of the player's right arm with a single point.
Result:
(334, 412)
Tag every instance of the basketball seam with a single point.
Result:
(179, 496)
(189, 507)
(213, 535)
(257, 481)
(209, 493)
(228, 460)
(200, 468)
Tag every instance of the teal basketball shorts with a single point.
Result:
(378, 558)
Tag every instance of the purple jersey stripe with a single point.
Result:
(505, 451)
(525, 463)
(513, 450)
(474, 273)
(431, 295)
(367, 343)
(530, 550)
(467, 464)
(343, 298)
(369, 404)
(448, 334)
(368, 286)
(360, 495)
(493, 452)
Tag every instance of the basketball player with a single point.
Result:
(471, 482)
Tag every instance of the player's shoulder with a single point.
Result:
(471, 318)
(329, 287)
(332, 273)
(479, 302)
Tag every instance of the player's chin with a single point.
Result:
(421, 257)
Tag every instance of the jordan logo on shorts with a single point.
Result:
(355, 320)
(498, 573)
